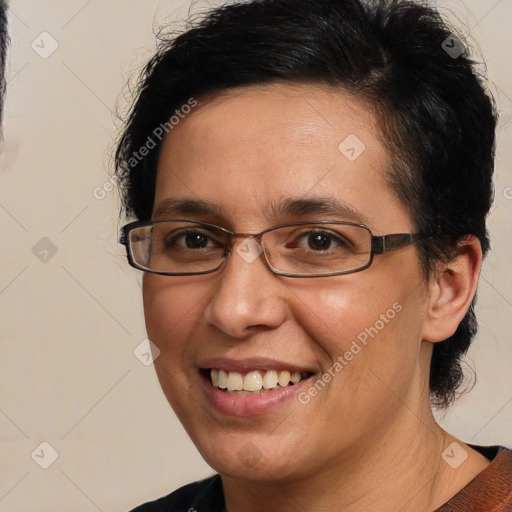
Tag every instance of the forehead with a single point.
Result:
(280, 116)
(250, 148)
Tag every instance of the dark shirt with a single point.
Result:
(489, 491)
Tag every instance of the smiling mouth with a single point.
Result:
(253, 382)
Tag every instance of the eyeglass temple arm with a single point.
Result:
(382, 244)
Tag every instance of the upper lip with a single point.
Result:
(250, 364)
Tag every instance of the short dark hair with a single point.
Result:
(437, 121)
(4, 39)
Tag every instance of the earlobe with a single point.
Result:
(452, 290)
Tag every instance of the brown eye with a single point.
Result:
(190, 239)
(320, 241)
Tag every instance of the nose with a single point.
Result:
(248, 295)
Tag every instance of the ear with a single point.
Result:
(452, 290)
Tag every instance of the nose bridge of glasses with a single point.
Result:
(256, 237)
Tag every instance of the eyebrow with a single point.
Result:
(286, 207)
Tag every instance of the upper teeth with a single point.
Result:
(253, 381)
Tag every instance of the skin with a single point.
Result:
(368, 441)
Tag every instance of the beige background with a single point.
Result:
(69, 325)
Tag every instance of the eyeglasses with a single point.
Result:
(300, 249)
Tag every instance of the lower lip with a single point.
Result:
(249, 405)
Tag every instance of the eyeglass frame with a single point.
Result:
(380, 244)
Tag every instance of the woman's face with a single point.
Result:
(244, 151)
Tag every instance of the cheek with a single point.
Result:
(170, 312)
(340, 312)
(364, 335)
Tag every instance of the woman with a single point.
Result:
(311, 182)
